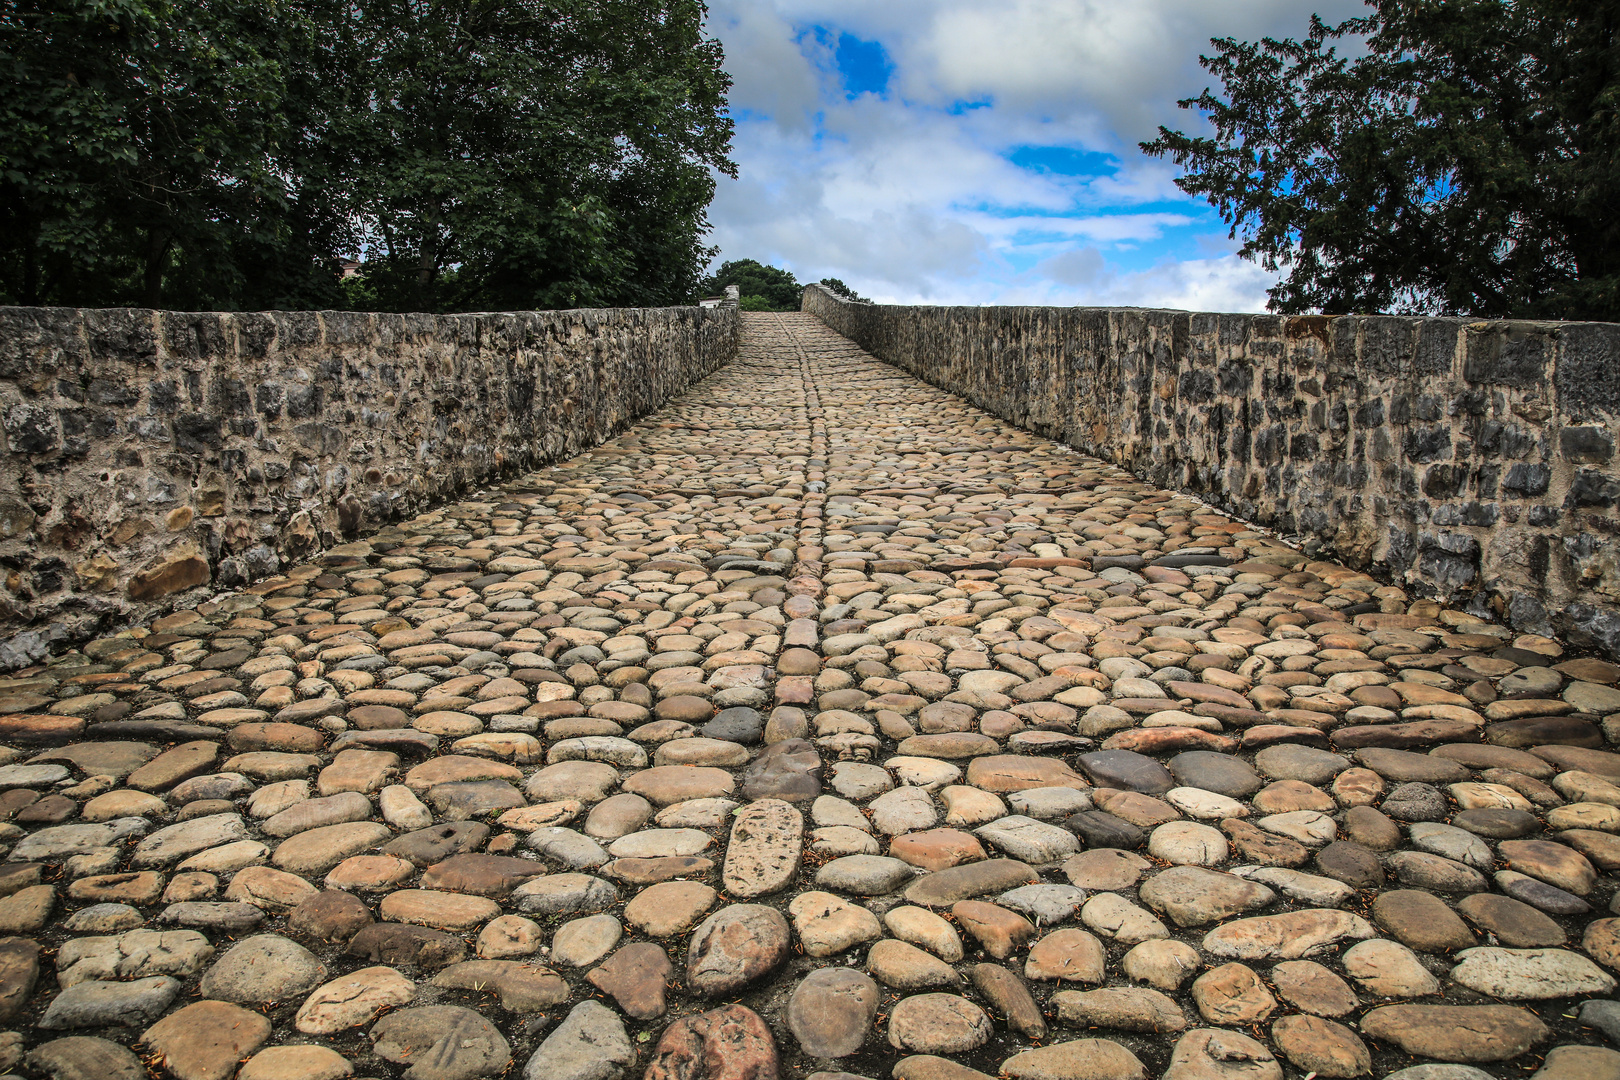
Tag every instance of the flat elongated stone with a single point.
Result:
(1105, 869)
(1285, 937)
(945, 887)
(669, 907)
(1220, 773)
(1530, 974)
(352, 1000)
(1126, 1008)
(1557, 865)
(1127, 769)
(319, 850)
(1011, 772)
(930, 1067)
(493, 876)
(1460, 1033)
(1032, 842)
(905, 967)
(169, 845)
(864, 875)
(138, 954)
(329, 916)
(564, 894)
(102, 1004)
(1008, 996)
(1093, 1059)
(1195, 896)
(304, 1062)
(767, 840)
(1421, 921)
(521, 986)
(663, 785)
(1385, 969)
(407, 946)
(80, 1057)
(1515, 924)
(440, 910)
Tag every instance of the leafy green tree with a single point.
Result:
(838, 288)
(1465, 161)
(552, 153)
(483, 154)
(761, 287)
(140, 150)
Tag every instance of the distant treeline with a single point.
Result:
(481, 155)
(767, 288)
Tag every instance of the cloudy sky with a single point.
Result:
(982, 151)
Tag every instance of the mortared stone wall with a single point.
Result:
(1473, 459)
(149, 453)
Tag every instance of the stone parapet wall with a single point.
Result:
(1473, 459)
(147, 453)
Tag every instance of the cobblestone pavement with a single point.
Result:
(820, 722)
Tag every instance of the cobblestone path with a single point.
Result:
(819, 723)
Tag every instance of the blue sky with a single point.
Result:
(981, 151)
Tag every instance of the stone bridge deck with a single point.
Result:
(820, 722)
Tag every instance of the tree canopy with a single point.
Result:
(838, 288)
(1460, 157)
(480, 154)
(760, 287)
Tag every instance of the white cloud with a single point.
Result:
(1077, 266)
(1102, 65)
(769, 71)
(1109, 228)
(908, 198)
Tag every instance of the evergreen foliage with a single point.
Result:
(1467, 161)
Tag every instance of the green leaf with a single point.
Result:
(1459, 158)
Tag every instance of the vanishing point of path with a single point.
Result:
(820, 722)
